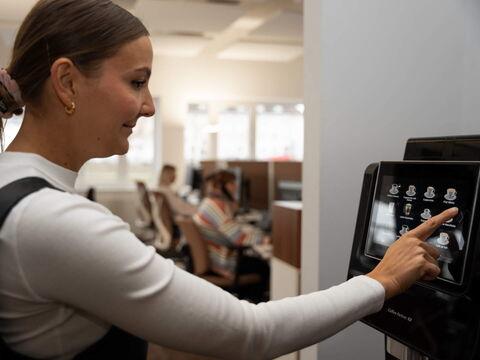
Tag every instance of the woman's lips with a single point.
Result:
(129, 127)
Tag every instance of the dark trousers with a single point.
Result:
(248, 265)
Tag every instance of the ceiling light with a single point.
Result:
(248, 23)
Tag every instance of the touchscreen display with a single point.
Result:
(408, 194)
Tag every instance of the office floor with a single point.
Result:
(156, 352)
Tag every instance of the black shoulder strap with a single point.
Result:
(12, 193)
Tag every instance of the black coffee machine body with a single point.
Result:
(438, 320)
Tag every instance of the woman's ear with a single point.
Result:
(63, 74)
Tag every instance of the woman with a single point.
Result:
(69, 269)
(215, 220)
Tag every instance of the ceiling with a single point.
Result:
(250, 30)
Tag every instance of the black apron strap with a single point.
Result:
(116, 344)
(11, 194)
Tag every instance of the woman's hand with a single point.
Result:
(409, 258)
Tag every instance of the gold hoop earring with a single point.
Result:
(70, 109)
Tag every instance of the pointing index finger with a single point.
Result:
(426, 229)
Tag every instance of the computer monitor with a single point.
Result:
(288, 190)
(194, 177)
(243, 189)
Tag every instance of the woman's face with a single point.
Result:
(232, 189)
(110, 104)
(173, 176)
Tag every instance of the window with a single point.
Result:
(142, 144)
(122, 171)
(197, 145)
(267, 131)
(141, 157)
(142, 161)
(234, 133)
(10, 128)
(279, 132)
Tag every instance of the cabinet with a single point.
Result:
(285, 263)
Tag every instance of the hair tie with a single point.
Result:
(8, 107)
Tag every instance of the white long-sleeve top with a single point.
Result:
(69, 269)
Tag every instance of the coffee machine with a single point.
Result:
(437, 320)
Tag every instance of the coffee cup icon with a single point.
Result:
(394, 189)
(411, 190)
(407, 209)
(443, 239)
(426, 214)
(404, 229)
(430, 193)
(451, 194)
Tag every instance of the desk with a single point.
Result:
(286, 231)
(255, 219)
(251, 217)
(285, 263)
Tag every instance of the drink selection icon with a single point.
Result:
(394, 189)
(391, 208)
(443, 239)
(430, 193)
(426, 214)
(407, 209)
(451, 194)
(404, 229)
(412, 190)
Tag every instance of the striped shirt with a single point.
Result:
(223, 234)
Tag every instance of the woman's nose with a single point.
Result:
(148, 108)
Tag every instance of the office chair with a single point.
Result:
(91, 194)
(154, 210)
(164, 211)
(241, 285)
(156, 225)
(155, 219)
(162, 218)
(167, 239)
(144, 223)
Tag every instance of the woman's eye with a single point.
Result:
(138, 84)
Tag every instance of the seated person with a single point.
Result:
(215, 220)
(176, 203)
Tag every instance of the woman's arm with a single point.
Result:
(76, 253)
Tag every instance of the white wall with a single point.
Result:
(178, 81)
(4, 53)
(376, 73)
